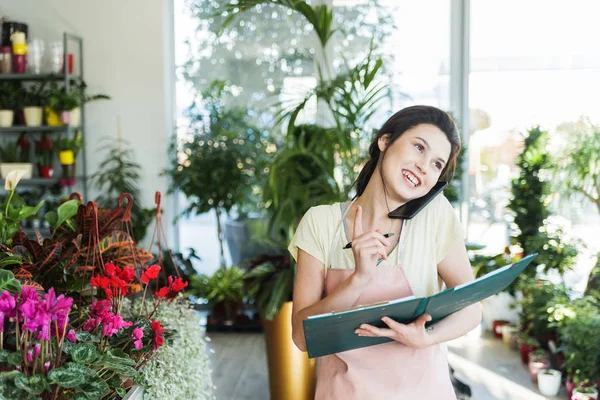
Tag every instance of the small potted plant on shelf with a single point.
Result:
(44, 151)
(8, 99)
(527, 344)
(67, 150)
(60, 104)
(79, 89)
(12, 157)
(34, 100)
(549, 381)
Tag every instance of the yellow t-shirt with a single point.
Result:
(424, 242)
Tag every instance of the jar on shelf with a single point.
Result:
(5, 60)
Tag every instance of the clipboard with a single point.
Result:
(333, 332)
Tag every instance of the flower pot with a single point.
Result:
(52, 118)
(549, 382)
(497, 327)
(45, 171)
(66, 157)
(525, 350)
(33, 116)
(570, 386)
(535, 366)
(508, 331)
(292, 375)
(76, 117)
(5, 169)
(65, 117)
(497, 307)
(581, 394)
(6, 118)
(19, 63)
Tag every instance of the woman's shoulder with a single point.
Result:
(438, 208)
(325, 212)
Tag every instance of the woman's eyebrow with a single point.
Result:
(429, 147)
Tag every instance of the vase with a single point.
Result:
(33, 116)
(6, 118)
(292, 375)
(549, 382)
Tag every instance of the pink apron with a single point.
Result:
(385, 371)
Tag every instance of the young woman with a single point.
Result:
(414, 149)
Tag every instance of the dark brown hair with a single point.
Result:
(399, 123)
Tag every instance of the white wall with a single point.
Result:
(127, 55)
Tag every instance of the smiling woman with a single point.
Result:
(413, 150)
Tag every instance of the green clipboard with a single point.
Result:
(334, 332)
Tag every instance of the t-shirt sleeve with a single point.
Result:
(449, 229)
(307, 237)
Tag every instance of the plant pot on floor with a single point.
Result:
(6, 168)
(549, 381)
(508, 332)
(584, 393)
(536, 364)
(6, 118)
(292, 375)
(497, 327)
(33, 116)
(526, 347)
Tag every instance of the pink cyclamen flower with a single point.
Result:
(100, 308)
(7, 307)
(30, 356)
(114, 324)
(36, 349)
(138, 333)
(47, 365)
(71, 337)
(90, 325)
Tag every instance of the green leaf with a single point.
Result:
(27, 212)
(67, 378)
(66, 210)
(3, 355)
(87, 337)
(94, 389)
(8, 282)
(121, 392)
(33, 385)
(10, 374)
(14, 359)
(84, 353)
(52, 218)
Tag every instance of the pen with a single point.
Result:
(386, 235)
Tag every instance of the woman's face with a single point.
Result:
(414, 162)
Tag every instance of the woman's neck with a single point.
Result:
(375, 208)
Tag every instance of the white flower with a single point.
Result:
(13, 178)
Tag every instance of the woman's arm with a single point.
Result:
(455, 269)
(308, 289)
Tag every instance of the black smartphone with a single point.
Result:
(410, 209)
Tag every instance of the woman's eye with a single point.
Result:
(419, 147)
(438, 165)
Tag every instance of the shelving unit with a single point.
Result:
(68, 130)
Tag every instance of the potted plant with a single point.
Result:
(44, 151)
(538, 361)
(12, 157)
(527, 344)
(34, 100)
(68, 149)
(8, 99)
(224, 292)
(79, 89)
(508, 332)
(60, 104)
(584, 393)
(221, 163)
(549, 381)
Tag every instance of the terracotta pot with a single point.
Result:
(525, 350)
(45, 171)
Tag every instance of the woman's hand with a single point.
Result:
(367, 248)
(413, 335)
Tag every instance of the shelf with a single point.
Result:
(37, 77)
(23, 128)
(35, 182)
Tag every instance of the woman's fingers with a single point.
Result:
(358, 230)
(369, 236)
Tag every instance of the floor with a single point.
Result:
(493, 371)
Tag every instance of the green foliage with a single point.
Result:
(9, 93)
(8, 282)
(542, 307)
(119, 173)
(13, 212)
(64, 212)
(35, 95)
(75, 144)
(60, 100)
(579, 342)
(271, 280)
(225, 286)
(11, 152)
(578, 167)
